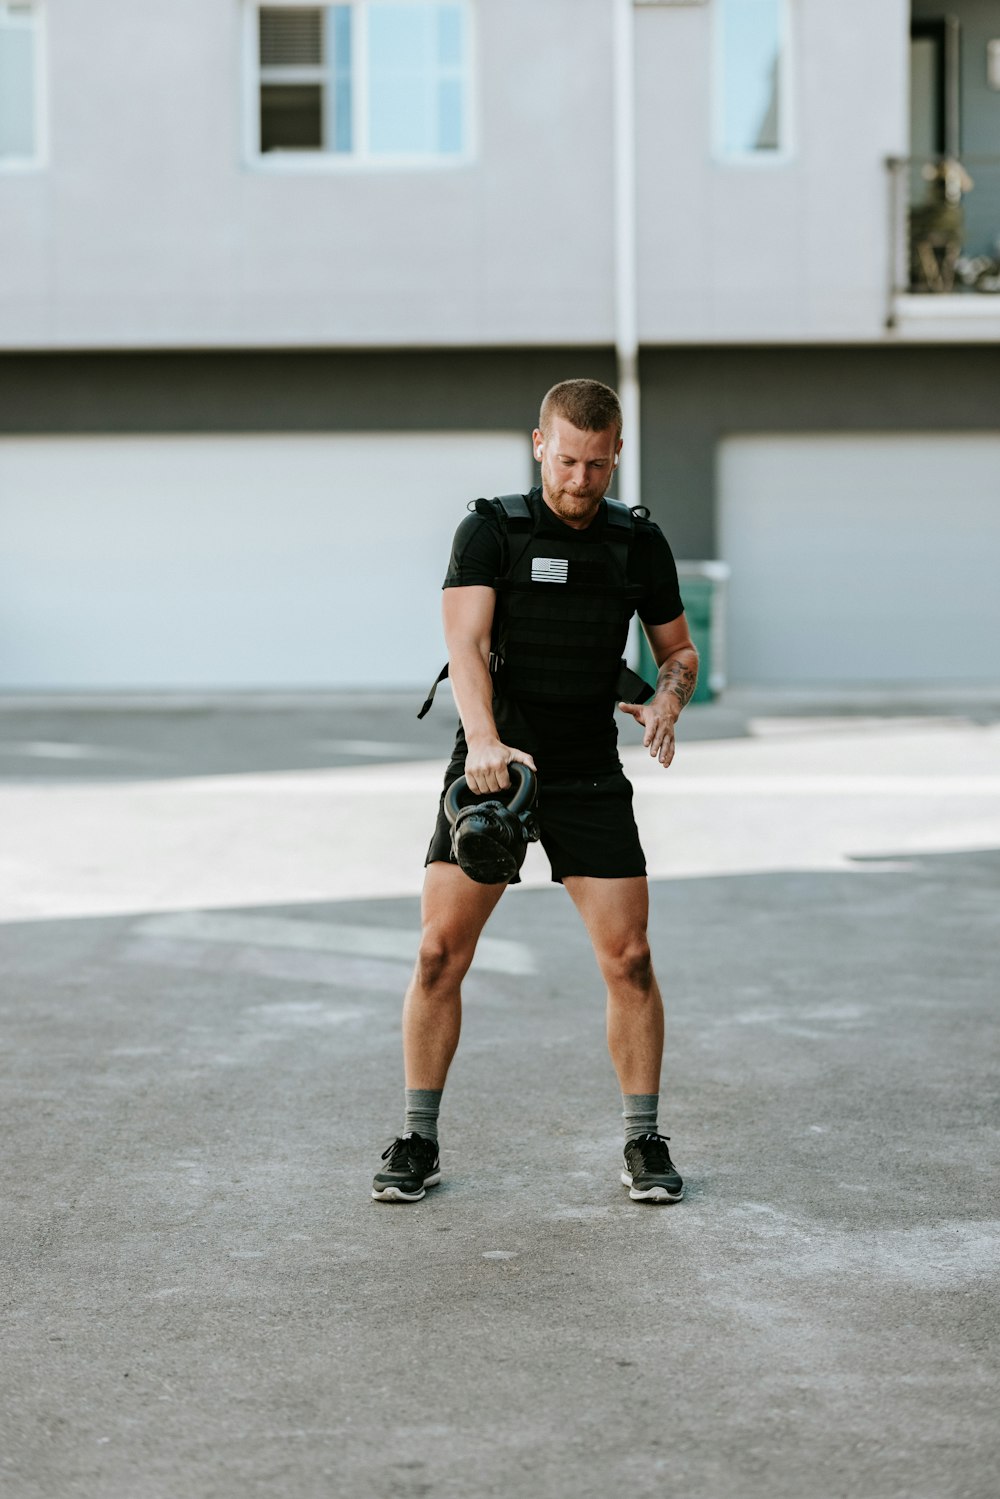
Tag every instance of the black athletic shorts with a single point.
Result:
(585, 824)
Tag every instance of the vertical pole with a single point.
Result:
(951, 63)
(898, 241)
(626, 311)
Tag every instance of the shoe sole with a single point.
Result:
(651, 1194)
(396, 1194)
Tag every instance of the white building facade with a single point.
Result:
(281, 287)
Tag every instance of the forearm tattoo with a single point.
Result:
(678, 676)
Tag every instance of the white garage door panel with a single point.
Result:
(862, 558)
(234, 561)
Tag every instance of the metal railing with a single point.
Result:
(945, 214)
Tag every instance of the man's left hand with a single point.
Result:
(658, 719)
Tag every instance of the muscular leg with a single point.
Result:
(454, 911)
(616, 913)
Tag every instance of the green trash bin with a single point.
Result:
(702, 592)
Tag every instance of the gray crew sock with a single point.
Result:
(422, 1106)
(639, 1111)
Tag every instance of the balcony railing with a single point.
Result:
(945, 226)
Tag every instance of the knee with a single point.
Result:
(630, 965)
(439, 961)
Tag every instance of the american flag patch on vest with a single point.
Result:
(549, 570)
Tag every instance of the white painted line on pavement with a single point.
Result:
(377, 748)
(494, 953)
(360, 975)
(52, 749)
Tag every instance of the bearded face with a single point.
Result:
(577, 468)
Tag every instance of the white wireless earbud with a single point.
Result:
(538, 452)
(616, 460)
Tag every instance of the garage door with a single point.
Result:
(859, 558)
(234, 561)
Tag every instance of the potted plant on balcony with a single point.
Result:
(937, 226)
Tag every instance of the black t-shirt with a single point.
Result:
(568, 739)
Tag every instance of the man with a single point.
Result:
(534, 650)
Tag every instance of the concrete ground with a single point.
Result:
(207, 914)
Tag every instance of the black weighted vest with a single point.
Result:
(563, 606)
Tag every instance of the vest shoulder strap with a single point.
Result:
(514, 506)
(621, 529)
(517, 518)
(619, 515)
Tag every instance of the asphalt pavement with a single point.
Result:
(208, 910)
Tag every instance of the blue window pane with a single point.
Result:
(450, 116)
(402, 115)
(752, 75)
(17, 91)
(400, 37)
(449, 35)
(339, 47)
(415, 89)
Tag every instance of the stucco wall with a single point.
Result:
(772, 250)
(150, 228)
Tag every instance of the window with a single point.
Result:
(752, 79)
(374, 80)
(20, 143)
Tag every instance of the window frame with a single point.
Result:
(786, 151)
(359, 158)
(39, 160)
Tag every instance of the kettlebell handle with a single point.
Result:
(524, 792)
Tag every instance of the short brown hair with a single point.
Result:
(586, 404)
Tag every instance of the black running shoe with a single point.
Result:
(649, 1172)
(411, 1165)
